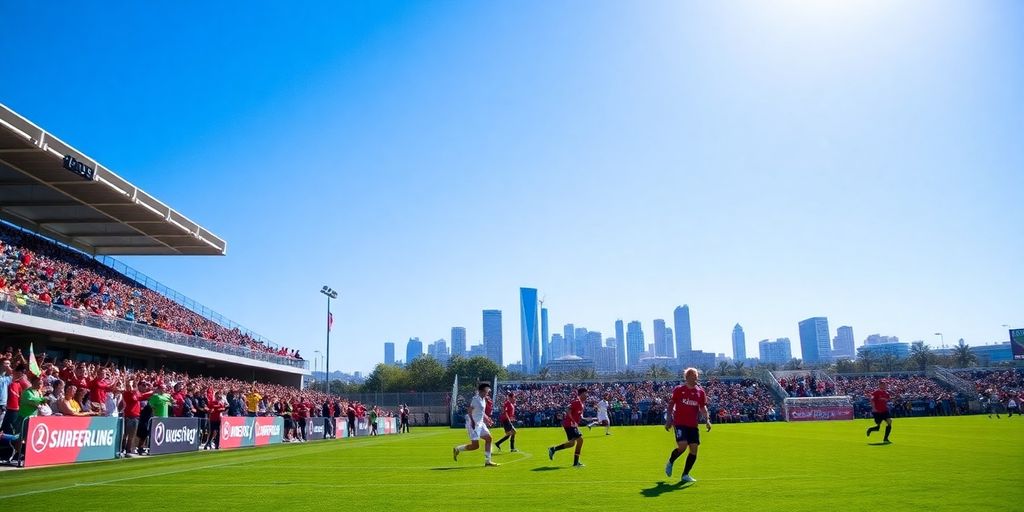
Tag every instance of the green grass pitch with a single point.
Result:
(963, 463)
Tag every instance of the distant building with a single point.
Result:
(569, 364)
(620, 346)
(529, 329)
(439, 350)
(684, 342)
(477, 351)
(605, 360)
(900, 350)
(389, 353)
(557, 347)
(739, 343)
(413, 350)
(492, 335)
(986, 354)
(815, 344)
(458, 341)
(877, 339)
(701, 360)
(842, 344)
(569, 337)
(779, 351)
(661, 342)
(634, 341)
(668, 363)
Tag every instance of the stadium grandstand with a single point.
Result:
(63, 216)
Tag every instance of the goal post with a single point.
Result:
(818, 408)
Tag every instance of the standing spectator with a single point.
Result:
(216, 407)
(252, 401)
(404, 417)
(160, 401)
(132, 398)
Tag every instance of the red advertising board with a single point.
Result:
(63, 439)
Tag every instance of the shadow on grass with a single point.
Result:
(883, 443)
(663, 487)
(449, 468)
(547, 468)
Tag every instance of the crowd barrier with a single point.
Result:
(51, 440)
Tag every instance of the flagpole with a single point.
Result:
(331, 294)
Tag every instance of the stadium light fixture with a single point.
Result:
(331, 294)
(942, 340)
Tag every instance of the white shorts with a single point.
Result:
(476, 433)
(603, 417)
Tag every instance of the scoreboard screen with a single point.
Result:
(1017, 342)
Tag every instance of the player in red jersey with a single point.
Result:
(571, 424)
(508, 419)
(880, 411)
(688, 402)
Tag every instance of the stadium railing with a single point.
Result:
(87, 319)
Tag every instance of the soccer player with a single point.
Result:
(688, 402)
(571, 424)
(508, 419)
(602, 414)
(1012, 407)
(476, 426)
(880, 411)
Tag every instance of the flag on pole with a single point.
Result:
(33, 365)
(330, 320)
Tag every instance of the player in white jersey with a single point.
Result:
(602, 414)
(476, 425)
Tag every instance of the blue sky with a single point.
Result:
(762, 162)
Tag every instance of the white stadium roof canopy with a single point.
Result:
(57, 191)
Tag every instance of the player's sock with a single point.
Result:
(608, 429)
(690, 459)
(674, 455)
(576, 458)
(487, 455)
(873, 429)
(560, 447)
(888, 429)
(460, 448)
(502, 440)
(512, 443)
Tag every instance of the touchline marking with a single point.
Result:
(198, 468)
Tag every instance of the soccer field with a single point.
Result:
(962, 463)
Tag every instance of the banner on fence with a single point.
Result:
(387, 426)
(819, 413)
(173, 435)
(241, 431)
(64, 439)
(315, 428)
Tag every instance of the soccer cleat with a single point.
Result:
(455, 454)
(579, 465)
(551, 453)
(687, 479)
(668, 469)
(868, 432)
(513, 450)
(498, 447)
(489, 463)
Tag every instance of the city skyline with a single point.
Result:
(580, 341)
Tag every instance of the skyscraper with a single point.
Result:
(593, 344)
(815, 345)
(529, 329)
(620, 347)
(684, 344)
(669, 342)
(413, 350)
(660, 342)
(545, 341)
(842, 344)
(439, 350)
(739, 343)
(459, 341)
(557, 347)
(580, 342)
(389, 352)
(634, 342)
(569, 338)
(492, 335)
(778, 352)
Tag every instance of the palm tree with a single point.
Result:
(867, 360)
(794, 364)
(888, 362)
(738, 368)
(920, 355)
(962, 355)
(723, 368)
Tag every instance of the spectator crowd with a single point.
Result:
(33, 269)
(67, 388)
(638, 403)
(912, 395)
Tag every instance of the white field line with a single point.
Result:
(187, 470)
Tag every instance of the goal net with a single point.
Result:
(818, 408)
